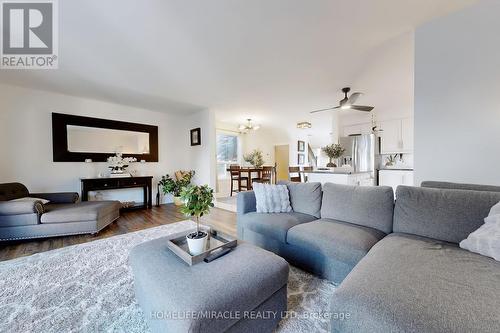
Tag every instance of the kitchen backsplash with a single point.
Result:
(404, 162)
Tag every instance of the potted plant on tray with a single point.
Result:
(174, 185)
(197, 201)
(333, 151)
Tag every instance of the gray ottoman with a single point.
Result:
(243, 291)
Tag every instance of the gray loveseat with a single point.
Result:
(62, 215)
(406, 275)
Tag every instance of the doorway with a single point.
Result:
(282, 158)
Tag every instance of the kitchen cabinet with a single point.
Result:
(357, 129)
(397, 136)
(394, 178)
(358, 179)
(407, 134)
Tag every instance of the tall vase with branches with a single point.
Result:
(255, 158)
(333, 151)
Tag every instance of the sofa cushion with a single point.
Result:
(273, 225)
(447, 215)
(345, 242)
(460, 186)
(305, 198)
(408, 283)
(21, 207)
(17, 221)
(83, 211)
(368, 206)
(246, 202)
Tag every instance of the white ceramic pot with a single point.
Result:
(178, 201)
(197, 245)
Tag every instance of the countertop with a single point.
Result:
(396, 169)
(336, 172)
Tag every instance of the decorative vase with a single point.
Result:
(178, 201)
(331, 164)
(197, 242)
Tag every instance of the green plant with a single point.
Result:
(255, 158)
(174, 186)
(335, 150)
(197, 202)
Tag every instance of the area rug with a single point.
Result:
(89, 288)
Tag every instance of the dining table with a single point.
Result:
(249, 171)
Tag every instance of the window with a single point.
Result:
(227, 148)
(227, 152)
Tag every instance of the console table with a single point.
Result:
(110, 183)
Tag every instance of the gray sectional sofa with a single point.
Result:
(62, 215)
(398, 265)
(329, 230)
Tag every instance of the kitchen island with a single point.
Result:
(340, 177)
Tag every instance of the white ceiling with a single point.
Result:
(242, 58)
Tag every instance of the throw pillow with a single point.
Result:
(486, 239)
(30, 199)
(494, 215)
(305, 197)
(272, 198)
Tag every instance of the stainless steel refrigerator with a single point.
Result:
(360, 152)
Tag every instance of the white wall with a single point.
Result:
(387, 81)
(26, 139)
(457, 100)
(264, 139)
(203, 158)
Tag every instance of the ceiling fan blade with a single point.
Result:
(336, 107)
(353, 98)
(361, 108)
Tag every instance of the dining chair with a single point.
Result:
(306, 168)
(234, 170)
(256, 179)
(296, 174)
(266, 175)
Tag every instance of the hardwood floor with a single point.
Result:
(131, 221)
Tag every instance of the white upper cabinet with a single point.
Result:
(407, 134)
(390, 136)
(397, 136)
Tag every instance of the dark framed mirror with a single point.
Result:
(78, 138)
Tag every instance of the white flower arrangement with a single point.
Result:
(118, 163)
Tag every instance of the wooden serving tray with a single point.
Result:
(217, 242)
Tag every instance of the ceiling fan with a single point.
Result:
(347, 103)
